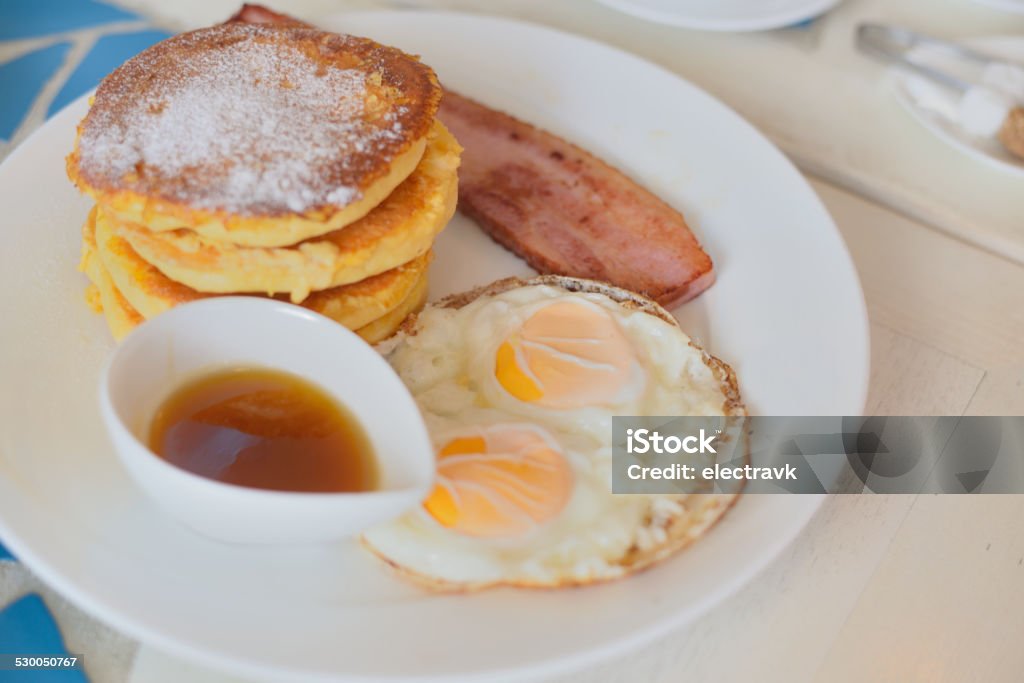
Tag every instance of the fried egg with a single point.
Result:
(518, 384)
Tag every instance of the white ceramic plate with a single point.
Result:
(987, 150)
(724, 15)
(787, 312)
(1016, 6)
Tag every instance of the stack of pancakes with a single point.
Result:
(263, 160)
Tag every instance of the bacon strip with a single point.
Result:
(560, 208)
(567, 212)
(258, 14)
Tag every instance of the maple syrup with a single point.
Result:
(264, 429)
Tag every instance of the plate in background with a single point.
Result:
(936, 119)
(1016, 6)
(787, 312)
(725, 15)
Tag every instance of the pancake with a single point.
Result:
(376, 306)
(389, 323)
(255, 135)
(102, 295)
(397, 231)
(150, 292)
(122, 317)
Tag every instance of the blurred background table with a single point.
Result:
(877, 588)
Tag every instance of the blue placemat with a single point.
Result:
(34, 18)
(73, 42)
(28, 628)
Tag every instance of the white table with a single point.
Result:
(897, 588)
(877, 588)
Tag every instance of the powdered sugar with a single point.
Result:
(249, 125)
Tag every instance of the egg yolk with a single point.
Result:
(498, 482)
(567, 355)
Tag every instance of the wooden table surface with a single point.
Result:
(897, 588)
(878, 588)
